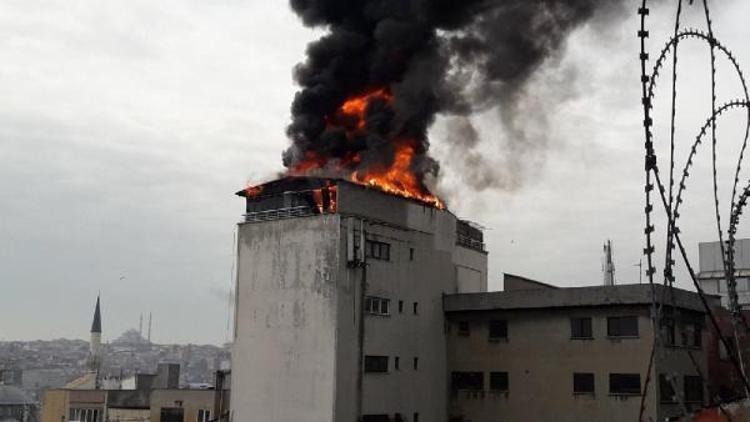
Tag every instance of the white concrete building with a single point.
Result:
(712, 278)
(339, 303)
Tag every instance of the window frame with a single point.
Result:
(573, 326)
(493, 325)
(464, 328)
(501, 378)
(376, 364)
(580, 378)
(375, 305)
(457, 377)
(625, 392)
(667, 393)
(378, 250)
(614, 323)
(690, 380)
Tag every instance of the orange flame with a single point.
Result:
(398, 179)
(253, 191)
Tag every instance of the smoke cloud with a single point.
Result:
(434, 56)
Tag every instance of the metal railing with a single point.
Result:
(470, 242)
(279, 213)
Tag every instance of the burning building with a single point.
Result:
(339, 313)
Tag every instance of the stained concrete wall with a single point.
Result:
(540, 358)
(284, 349)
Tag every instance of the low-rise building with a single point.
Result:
(540, 353)
(15, 405)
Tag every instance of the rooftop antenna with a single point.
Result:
(640, 270)
(608, 267)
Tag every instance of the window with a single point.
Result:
(499, 381)
(467, 381)
(398, 418)
(84, 415)
(625, 326)
(498, 329)
(411, 254)
(171, 414)
(464, 328)
(414, 307)
(583, 383)
(401, 306)
(378, 250)
(416, 417)
(581, 328)
(668, 331)
(416, 363)
(204, 415)
(377, 305)
(625, 384)
(397, 363)
(376, 363)
(693, 389)
(692, 335)
(375, 418)
(666, 392)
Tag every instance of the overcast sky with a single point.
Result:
(126, 127)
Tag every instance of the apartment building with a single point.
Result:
(339, 303)
(712, 278)
(540, 353)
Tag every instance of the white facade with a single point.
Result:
(712, 278)
(315, 309)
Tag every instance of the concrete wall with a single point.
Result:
(190, 400)
(128, 415)
(540, 358)
(55, 406)
(284, 349)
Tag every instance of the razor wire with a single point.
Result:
(666, 194)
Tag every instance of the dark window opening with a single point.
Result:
(581, 328)
(692, 335)
(401, 306)
(376, 363)
(498, 329)
(171, 414)
(398, 418)
(467, 381)
(583, 383)
(625, 326)
(416, 417)
(416, 363)
(414, 308)
(625, 384)
(411, 254)
(499, 381)
(396, 363)
(378, 250)
(666, 392)
(693, 389)
(464, 328)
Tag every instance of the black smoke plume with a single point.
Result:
(434, 56)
